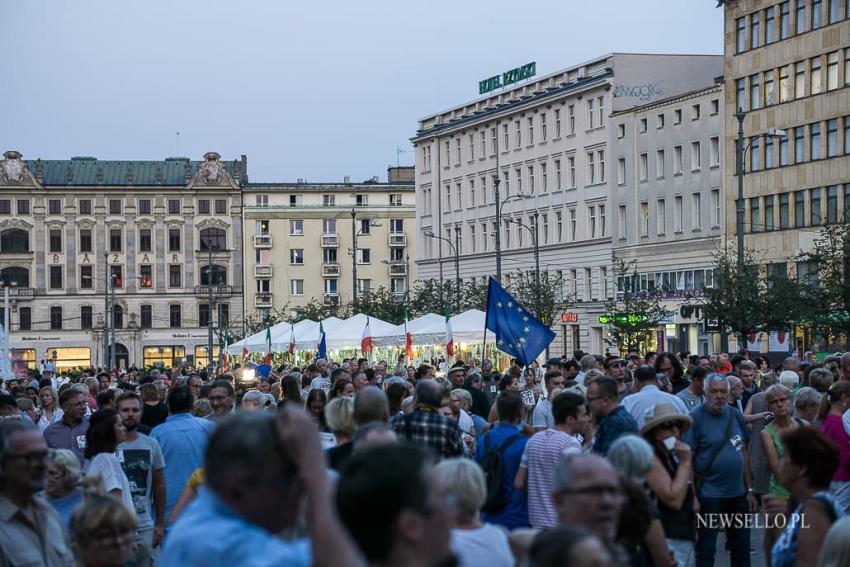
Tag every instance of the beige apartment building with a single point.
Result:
(70, 227)
(546, 139)
(787, 66)
(301, 241)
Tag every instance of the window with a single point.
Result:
(145, 240)
(559, 228)
(23, 206)
(783, 150)
(329, 200)
(817, 13)
(174, 316)
(203, 314)
(115, 240)
(768, 213)
(768, 152)
(814, 141)
(740, 94)
(644, 219)
(85, 207)
(600, 158)
(832, 71)
(331, 286)
(621, 131)
(714, 151)
(174, 240)
(146, 317)
(591, 168)
(833, 8)
(571, 171)
(784, 211)
(457, 152)
(622, 229)
(24, 318)
(799, 209)
(506, 136)
(55, 277)
(660, 217)
(659, 121)
(591, 214)
(741, 34)
(544, 178)
(799, 80)
(642, 126)
(800, 16)
(472, 238)
(590, 114)
(799, 142)
(600, 109)
(471, 139)
(846, 135)
(695, 112)
(677, 160)
(769, 95)
(295, 200)
(213, 239)
(755, 30)
(642, 167)
(174, 276)
(770, 24)
(696, 160)
(677, 213)
(755, 215)
(572, 213)
(361, 200)
(621, 171)
(55, 240)
(755, 153)
(785, 20)
(296, 256)
(174, 206)
(715, 207)
(832, 204)
(364, 256)
(531, 130)
(86, 277)
(203, 206)
(517, 134)
(755, 92)
(558, 184)
(557, 123)
(815, 76)
(296, 227)
(115, 206)
(543, 132)
(221, 207)
(395, 200)
(56, 318)
(571, 116)
(784, 83)
(54, 207)
(144, 207)
(483, 143)
(116, 276)
(696, 206)
(531, 179)
(145, 276)
(832, 137)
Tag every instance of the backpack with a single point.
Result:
(493, 464)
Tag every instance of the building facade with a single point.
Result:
(299, 239)
(668, 207)
(787, 66)
(546, 141)
(70, 227)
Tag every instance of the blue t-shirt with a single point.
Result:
(515, 513)
(66, 505)
(725, 479)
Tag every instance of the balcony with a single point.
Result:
(262, 241)
(263, 299)
(398, 268)
(216, 290)
(262, 271)
(331, 298)
(330, 240)
(398, 239)
(20, 293)
(330, 269)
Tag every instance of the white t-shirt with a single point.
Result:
(487, 545)
(108, 467)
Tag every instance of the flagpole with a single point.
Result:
(484, 343)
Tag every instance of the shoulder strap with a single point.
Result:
(508, 442)
(716, 451)
(407, 431)
(828, 504)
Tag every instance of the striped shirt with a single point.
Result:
(541, 457)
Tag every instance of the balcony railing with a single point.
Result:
(398, 268)
(20, 293)
(398, 239)
(262, 271)
(330, 269)
(216, 289)
(331, 298)
(330, 240)
(263, 299)
(262, 241)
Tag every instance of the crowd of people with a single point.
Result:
(588, 460)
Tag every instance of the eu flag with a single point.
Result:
(518, 332)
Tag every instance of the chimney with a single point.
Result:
(346, 179)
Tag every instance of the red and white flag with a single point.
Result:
(244, 352)
(450, 340)
(291, 338)
(408, 339)
(366, 341)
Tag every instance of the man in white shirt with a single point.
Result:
(648, 395)
(543, 418)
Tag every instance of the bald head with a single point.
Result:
(429, 393)
(588, 494)
(370, 404)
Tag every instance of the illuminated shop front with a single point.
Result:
(70, 358)
(23, 359)
(164, 355)
(201, 355)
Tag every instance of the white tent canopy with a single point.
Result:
(468, 327)
(428, 329)
(349, 333)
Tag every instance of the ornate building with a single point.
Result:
(70, 227)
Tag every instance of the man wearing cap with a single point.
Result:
(648, 395)
(49, 372)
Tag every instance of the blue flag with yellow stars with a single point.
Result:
(518, 332)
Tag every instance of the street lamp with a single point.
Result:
(455, 247)
(108, 316)
(353, 251)
(534, 240)
(499, 205)
(210, 248)
(741, 149)
(407, 274)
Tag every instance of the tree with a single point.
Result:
(473, 295)
(543, 296)
(432, 296)
(316, 310)
(633, 312)
(237, 330)
(826, 281)
(738, 298)
(381, 303)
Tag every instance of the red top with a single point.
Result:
(834, 429)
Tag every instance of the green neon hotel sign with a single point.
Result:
(507, 78)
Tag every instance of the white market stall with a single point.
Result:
(429, 329)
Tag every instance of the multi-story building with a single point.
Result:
(788, 68)
(70, 227)
(546, 141)
(299, 239)
(668, 206)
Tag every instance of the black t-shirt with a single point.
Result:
(338, 456)
(154, 415)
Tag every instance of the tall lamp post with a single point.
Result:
(499, 205)
(106, 313)
(210, 248)
(354, 257)
(536, 243)
(454, 246)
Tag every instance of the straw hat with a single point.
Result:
(662, 413)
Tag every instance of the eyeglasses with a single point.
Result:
(31, 458)
(670, 425)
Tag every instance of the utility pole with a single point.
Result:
(536, 235)
(106, 313)
(457, 270)
(496, 182)
(354, 257)
(112, 314)
(210, 367)
(740, 208)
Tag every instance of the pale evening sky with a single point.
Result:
(315, 90)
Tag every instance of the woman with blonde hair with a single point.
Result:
(103, 532)
(50, 410)
(472, 541)
(339, 415)
(62, 486)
